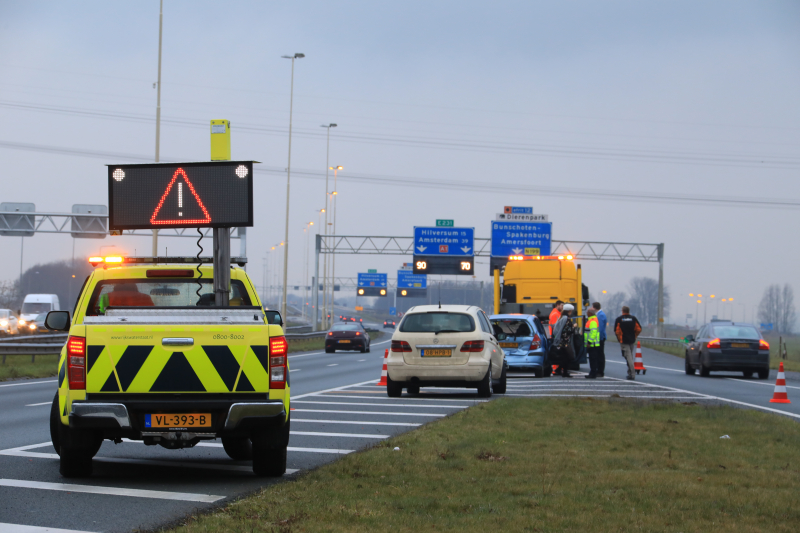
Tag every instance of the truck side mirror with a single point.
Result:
(57, 321)
(274, 317)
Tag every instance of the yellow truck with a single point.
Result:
(532, 284)
(149, 357)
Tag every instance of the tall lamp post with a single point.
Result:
(317, 316)
(305, 271)
(336, 170)
(288, 180)
(326, 210)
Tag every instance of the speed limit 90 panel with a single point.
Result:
(444, 265)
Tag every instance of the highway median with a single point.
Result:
(548, 465)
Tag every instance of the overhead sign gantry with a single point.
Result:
(444, 250)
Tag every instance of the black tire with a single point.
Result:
(77, 447)
(238, 448)
(500, 387)
(747, 373)
(763, 373)
(538, 372)
(704, 370)
(363, 349)
(368, 347)
(688, 368)
(269, 451)
(393, 388)
(485, 385)
(55, 421)
(413, 389)
(548, 370)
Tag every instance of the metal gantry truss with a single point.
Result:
(580, 250)
(79, 224)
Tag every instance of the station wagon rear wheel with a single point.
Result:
(393, 389)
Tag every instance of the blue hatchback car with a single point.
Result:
(524, 342)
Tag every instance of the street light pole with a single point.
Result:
(158, 108)
(336, 170)
(288, 180)
(326, 210)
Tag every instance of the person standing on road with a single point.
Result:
(627, 329)
(602, 325)
(563, 332)
(591, 338)
(555, 314)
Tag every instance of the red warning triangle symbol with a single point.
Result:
(180, 207)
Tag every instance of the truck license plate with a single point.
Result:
(436, 352)
(180, 420)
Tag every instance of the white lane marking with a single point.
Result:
(11, 451)
(741, 380)
(319, 353)
(112, 491)
(295, 370)
(382, 404)
(649, 367)
(361, 360)
(354, 435)
(373, 381)
(18, 528)
(334, 364)
(607, 396)
(38, 404)
(380, 413)
(29, 383)
(144, 462)
(419, 398)
(290, 448)
(356, 422)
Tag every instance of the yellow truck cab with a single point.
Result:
(151, 358)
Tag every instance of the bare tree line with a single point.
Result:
(777, 308)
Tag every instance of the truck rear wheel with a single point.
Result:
(269, 451)
(238, 448)
(76, 449)
(54, 423)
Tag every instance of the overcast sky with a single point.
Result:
(446, 109)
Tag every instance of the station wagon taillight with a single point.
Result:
(76, 363)
(472, 346)
(763, 345)
(400, 346)
(278, 348)
(714, 344)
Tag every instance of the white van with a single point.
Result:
(34, 304)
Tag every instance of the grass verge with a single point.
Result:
(587, 465)
(20, 366)
(774, 360)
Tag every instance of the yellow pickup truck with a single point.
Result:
(149, 357)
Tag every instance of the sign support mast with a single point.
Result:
(221, 151)
(158, 109)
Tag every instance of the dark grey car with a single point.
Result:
(731, 346)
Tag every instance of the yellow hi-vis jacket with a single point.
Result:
(591, 335)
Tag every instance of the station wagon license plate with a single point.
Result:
(740, 345)
(509, 344)
(180, 420)
(345, 341)
(436, 352)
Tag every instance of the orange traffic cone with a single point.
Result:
(384, 372)
(638, 363)
(780, 388)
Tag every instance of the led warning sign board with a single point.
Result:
(180, 195)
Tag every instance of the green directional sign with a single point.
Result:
(444, 223)
(372, 271)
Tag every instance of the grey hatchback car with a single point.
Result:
(731, 346)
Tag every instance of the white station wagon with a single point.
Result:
(445, 346)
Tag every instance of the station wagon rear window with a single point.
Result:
(347, 327)
(437, 322)
(736, 332)
(161, 293)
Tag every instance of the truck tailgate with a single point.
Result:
(127, 354)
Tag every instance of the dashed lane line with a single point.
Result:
(29, 383)
(38, 404)
(334, 364)
(372, 381)
(381, 404)
(382, 413)
(346, 435)
(356, 422)
(17, 528)
(111, 491)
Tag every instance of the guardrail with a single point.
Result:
(663, 341)
(40, 339)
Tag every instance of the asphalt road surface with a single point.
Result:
(336, 409)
